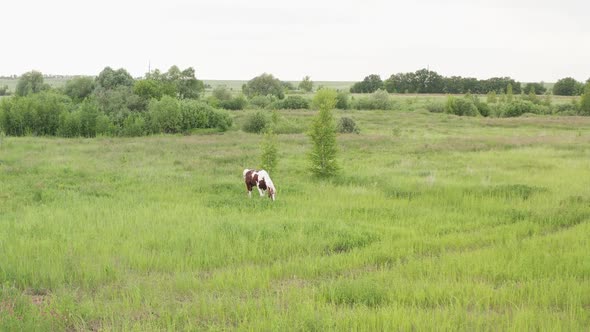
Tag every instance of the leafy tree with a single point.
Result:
(369, 84)
(264, 85)
(221, 93)
(306, 84)
(538, 88)
(30, 82)
(165, 115)
(585, 100)
(110, 79)
(149, 88)
(566, 87)
(256, 123)
(79, 88)
(492, 97)
(188, 86)
(323, 135)
(269, 156)
(509, 93)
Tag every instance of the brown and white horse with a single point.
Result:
(261, 180)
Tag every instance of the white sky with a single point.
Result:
(541, 40)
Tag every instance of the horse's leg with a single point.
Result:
(260, 191)
(249, 187)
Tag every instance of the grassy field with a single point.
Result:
(436, 223)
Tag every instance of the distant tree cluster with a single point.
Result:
(428, 81)
(113, 104)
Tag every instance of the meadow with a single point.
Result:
(436, 222)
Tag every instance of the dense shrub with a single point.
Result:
(164, 115)
(4, 90)
(196, 114)
(379, 100)
(584, 107)
(238, 102)
(134, 125)
(264, 85)
(69, 124)
(342, 100)
(435, 107)
(88, 118)
(519, 107)
(35, 114)
(261, 101)
(256, 123)
(291, 103)
(347, 125)
(461, 106)
(567, 87)
(79, 88)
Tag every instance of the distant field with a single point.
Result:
(437, 222)
(237, 85)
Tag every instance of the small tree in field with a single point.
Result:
(509, 94)
(269, 157)
(306, 84)
(323, 135)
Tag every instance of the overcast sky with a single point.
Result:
(327, 39)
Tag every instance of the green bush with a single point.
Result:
(261, 101)
(34, 114)
(256, 123)
(461, 106)
(291, 103)
(347, 125)
(165, 115)
(134, 125)
(435, 107)
(378, 100)
(69, 124)
(221, 120)
(519, 107)
(238, 102)
(342, 100)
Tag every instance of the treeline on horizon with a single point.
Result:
(115, 104)
(428, 81)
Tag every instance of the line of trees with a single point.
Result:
(113, 103)
(428, 81)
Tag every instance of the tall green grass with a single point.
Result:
(436, 223)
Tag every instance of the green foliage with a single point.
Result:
(536, 88)
(134, 125)
(519, 107)
(36, 114)
(264, 85)
(238, 102)
(222, 93)
(461, 106)
(347, 125)
(369, 84)
(306, 84)
(30, 82)
(109, 78)
(567, 87)
(150, 89)
(292, 103)
(79, 88)
(509, 93)
(89, 114)
(197, 114)
(261, 101)
(435, 107)
(269, 156)
(165, 115)
(118, 102)
(342, 100)
(69, 124)
(323, 135)
(256, 123)
(176, 83)
(491, 97)
(585, 101)
(4, 90)
(378, 100)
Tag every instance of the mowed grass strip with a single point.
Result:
(435, 223)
